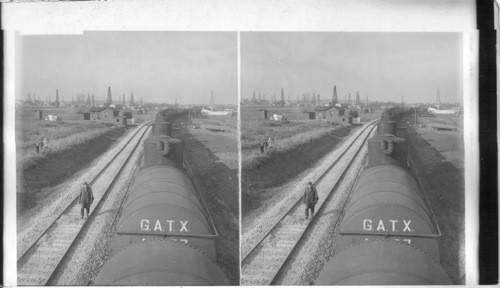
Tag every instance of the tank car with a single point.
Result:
(164, 235)
(388, 234)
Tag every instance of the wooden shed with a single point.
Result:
(38, 114)
(83, 116)
(263, 114)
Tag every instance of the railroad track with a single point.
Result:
(38, 264)
(263, 264)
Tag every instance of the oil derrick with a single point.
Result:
(123, 100)
(335, 100)
(88, 100)
(93, 100)
(314, 98)
(318, 100)
(349, 99)
(254, 99)
(72, 100)
(29, 98)
(50, 99)
(108, 99)
(260, 99)
(212, 104)
(358, 102)
(57, 98)
(438, 100)
(366, 100)
(131, 102)
(282, 98)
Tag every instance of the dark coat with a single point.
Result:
(310, 195)
(86, 195)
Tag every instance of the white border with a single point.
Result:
(246, 15)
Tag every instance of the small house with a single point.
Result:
(111, 115)
(95, 112)
(333, 114)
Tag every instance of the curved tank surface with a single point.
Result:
(162, 201)
(164, 234)
(387, 200)
(382, 262)
(160, 263)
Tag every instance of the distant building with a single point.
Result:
(38, 114)
(140, 111)
(95, 112)
(333, 114)
(107, 114)
(83, 115)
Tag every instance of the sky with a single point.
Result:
(157, 66)
(382, 66)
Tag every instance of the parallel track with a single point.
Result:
(38, 264)
(264, 263)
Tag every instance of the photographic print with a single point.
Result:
(127, 158)
(352, 158)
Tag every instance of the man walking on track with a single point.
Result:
(86, 198)
(310, 198)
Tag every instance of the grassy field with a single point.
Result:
(286, 136)
(251, 112)
(28, 112)
(72, 145)
(297, 146)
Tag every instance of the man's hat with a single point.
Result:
(85, 183)
(310, 183)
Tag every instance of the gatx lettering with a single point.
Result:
(389, 226)
(164, 226)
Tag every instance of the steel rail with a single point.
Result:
(321, 177)
(302, 231)
(26, 255)
(76, 198)
(322, 207)
(101, 201)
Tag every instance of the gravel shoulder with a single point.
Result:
(92, 248)
(256, 223)
(318, 244)
(55, 200)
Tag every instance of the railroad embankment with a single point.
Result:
(71, 147)
(213, 162)
(435, 159)
(294, 150)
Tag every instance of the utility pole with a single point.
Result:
(335, 100)
(282, 98)
(415, 117)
